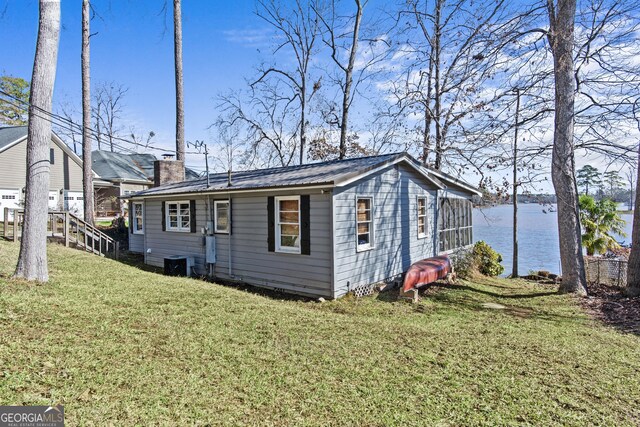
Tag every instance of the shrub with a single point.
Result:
(464, 263)
(487, 260)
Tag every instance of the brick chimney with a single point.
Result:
(167, 171)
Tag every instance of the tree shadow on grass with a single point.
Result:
(469, 298)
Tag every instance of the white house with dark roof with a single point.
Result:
(320, 229)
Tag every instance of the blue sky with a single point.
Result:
(222, 41)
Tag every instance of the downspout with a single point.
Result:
(229, 215)
(210, 220)
(436, 233)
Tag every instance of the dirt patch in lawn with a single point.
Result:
(614, 308)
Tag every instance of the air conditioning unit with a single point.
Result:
(178, 265)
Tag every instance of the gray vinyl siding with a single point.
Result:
(136, 243)
(251, 261)
(166, 243)
(14, 169)
(395, 229)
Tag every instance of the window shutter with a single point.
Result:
(271, 224)
(130, 216)
(164, 217)
(192, 215)
(305, 222)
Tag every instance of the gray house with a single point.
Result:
(321, 229)
(65, 182)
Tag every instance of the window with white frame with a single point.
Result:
(364, 223)
(422, 217)
(288, 224)
(221, 214)
(137, 217)
(178, 216)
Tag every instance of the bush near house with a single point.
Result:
(114, 343)
(481, 259)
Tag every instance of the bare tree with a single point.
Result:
(561, 40)
(631, 176)
(633, 267)
(32, 261)
(267, 122)
(452, 52)
(87, 164)
(72, 134)
(297, 31)
(108, 112)
(333, 34)
(177, 49)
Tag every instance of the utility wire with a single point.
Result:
(70, 124)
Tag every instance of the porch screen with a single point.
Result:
(454, 223)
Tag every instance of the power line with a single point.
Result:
(70, 124)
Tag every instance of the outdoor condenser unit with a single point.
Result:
(178, 265)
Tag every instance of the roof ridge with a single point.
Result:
(326, 162)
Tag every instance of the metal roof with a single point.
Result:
(11, 134)
(330, 173)
(112, 166)
(133, 167)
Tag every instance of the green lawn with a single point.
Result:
(121, 346)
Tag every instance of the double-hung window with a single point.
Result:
(221, 216)
(137, 218)
(364, 223)
(288, 224)
(422, 217)
(178, 216)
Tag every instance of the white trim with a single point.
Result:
(179, 228)
(456, 182)
(215, 216)
(133, 217)
(286, 249)
(372, 243)
(425, 215)
(402, 158)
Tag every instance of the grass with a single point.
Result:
(117, 344)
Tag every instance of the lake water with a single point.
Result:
(537, 235)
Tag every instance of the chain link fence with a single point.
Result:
(606, 271)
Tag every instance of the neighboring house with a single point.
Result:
(65, 185)
(120, 175)
(320, 229)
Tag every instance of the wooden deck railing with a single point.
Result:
(66, 227)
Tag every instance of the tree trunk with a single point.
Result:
(633, 268)
(348, 81)
(438, 95)
(177, 40)
(514, 268)
(303, 118)
(426, 141)
(561, 38)
(32, 261)
(87, 171)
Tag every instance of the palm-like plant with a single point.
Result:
(599, 219)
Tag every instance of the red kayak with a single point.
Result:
(427, 271)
